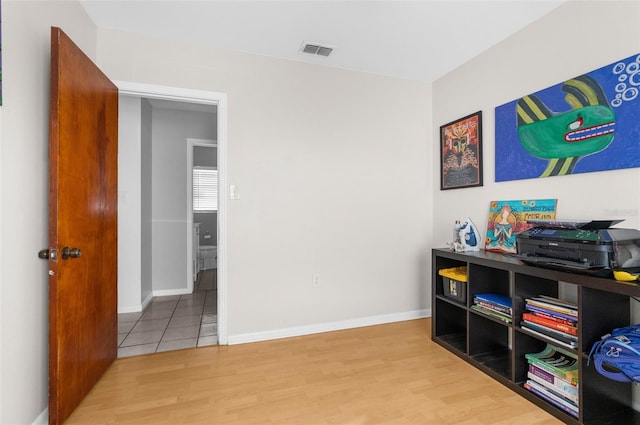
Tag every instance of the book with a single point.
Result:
(557, 318)
(553, 382)
(501, 302)
(553, 378)
(552, 394)
(492, 313)
(556, 301)
(509, 217)
(552, 313)
(568, 344)
(558, 386)
(556, 398)
(494, 307)
(565, 338)
(550, 323)
(557, 401)
(556, 361)
(542, 303)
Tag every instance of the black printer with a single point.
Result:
(579, 246)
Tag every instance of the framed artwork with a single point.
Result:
(461, 152)
(585, 124)
(506, 218)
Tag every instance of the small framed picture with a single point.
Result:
(461, 152)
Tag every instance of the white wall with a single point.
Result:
(24, 171)
(170, 131)
(576, 38)
(129, 204)
(332, 169)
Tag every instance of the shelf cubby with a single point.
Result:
(452, 330)
(524, 344)
(607, 311)
(489, 344)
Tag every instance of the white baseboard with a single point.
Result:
(147, 301)
(327, 327)
(130, 309)
(166, 292)
(143, 305)
(43, 419)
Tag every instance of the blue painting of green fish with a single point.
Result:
(585, 124)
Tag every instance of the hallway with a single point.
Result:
(172, 322)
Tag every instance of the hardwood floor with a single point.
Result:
(387, 374)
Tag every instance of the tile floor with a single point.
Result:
(172, 322)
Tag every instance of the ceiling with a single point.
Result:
(416, 40)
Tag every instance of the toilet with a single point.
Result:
(208, 257)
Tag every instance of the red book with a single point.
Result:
(555, 318)
(550, 323)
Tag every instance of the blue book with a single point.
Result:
(501, 300)
(551, 313)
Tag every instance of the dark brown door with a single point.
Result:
(83, 148)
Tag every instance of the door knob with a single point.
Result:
(70, 253)
(46, 254)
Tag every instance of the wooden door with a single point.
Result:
(83, 147)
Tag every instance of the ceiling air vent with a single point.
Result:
(316, 49)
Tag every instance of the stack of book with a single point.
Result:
(494, 305)
(552, 318)
(553, 376)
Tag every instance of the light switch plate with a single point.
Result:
(233, 192)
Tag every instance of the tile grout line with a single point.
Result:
(206, 295)
(136, 323)
(167, 326)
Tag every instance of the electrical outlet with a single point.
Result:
(315, 280)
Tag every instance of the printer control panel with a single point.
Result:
(571, 234)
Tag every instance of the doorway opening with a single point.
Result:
(202, 205)
(158, 232)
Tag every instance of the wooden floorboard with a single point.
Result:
(386, 374)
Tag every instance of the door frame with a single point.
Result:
(191, 143)
(151, 91)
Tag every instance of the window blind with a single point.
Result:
(205, 189)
